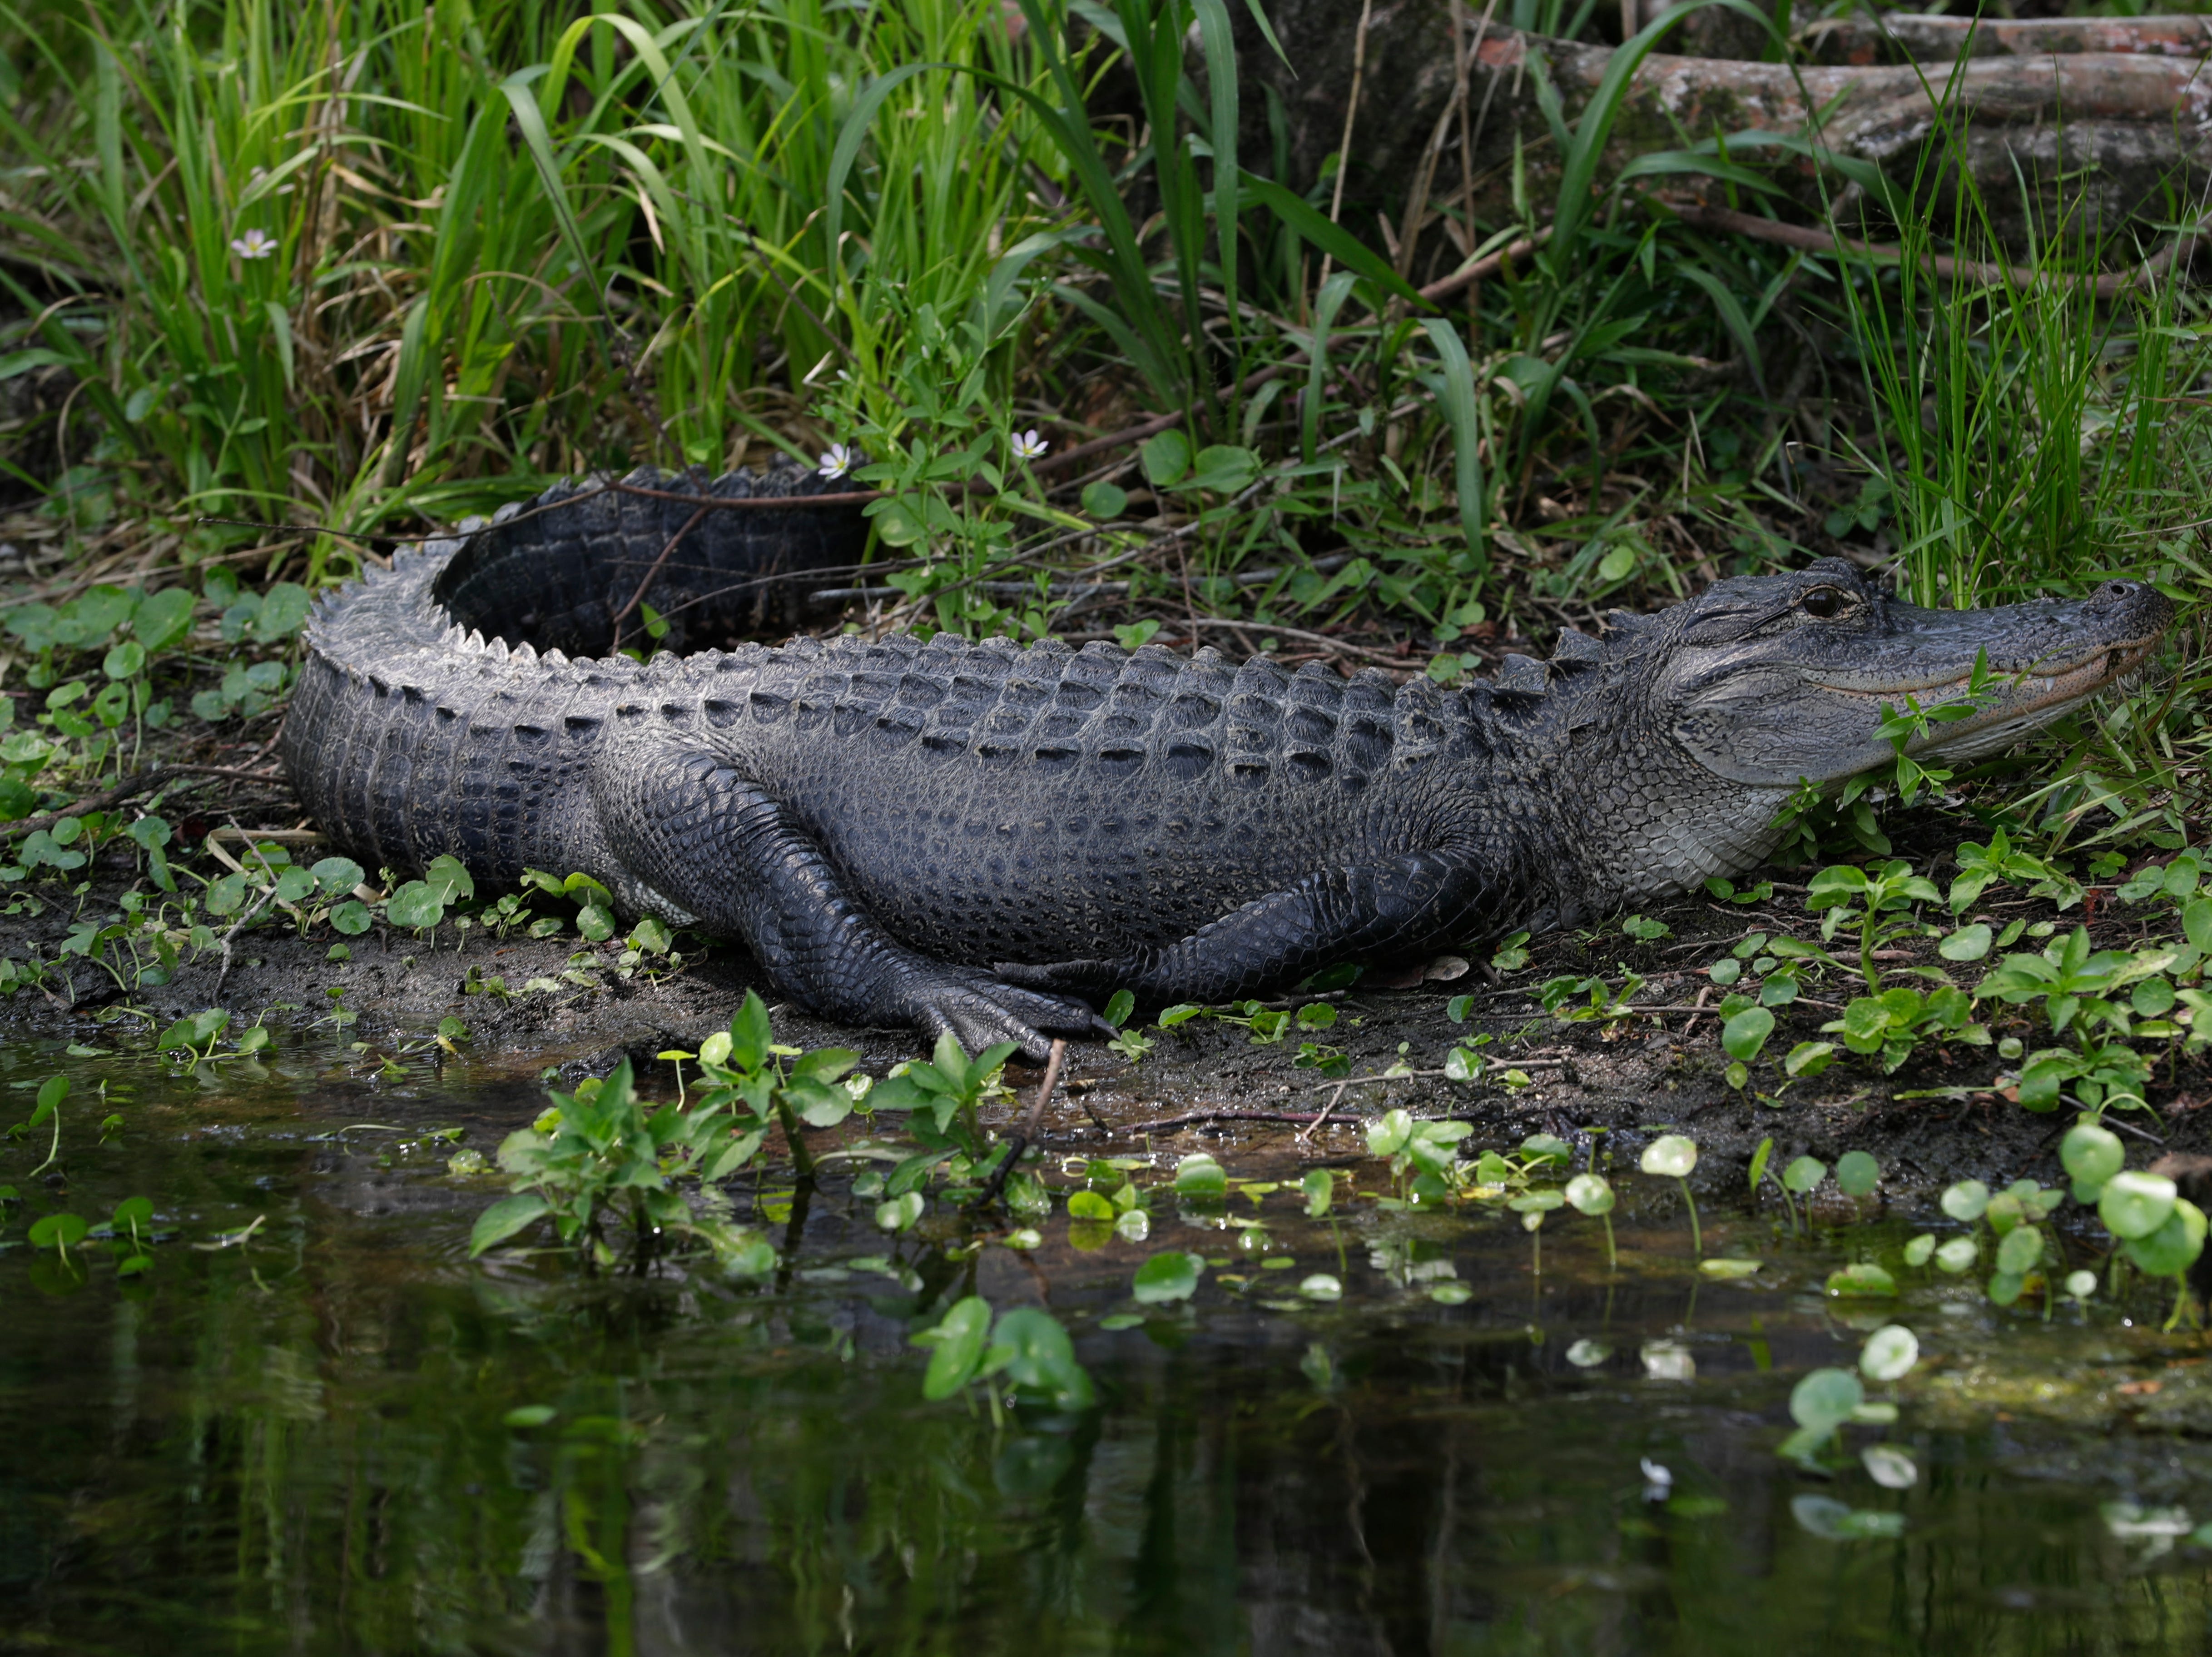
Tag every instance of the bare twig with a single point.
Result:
(1185, 1121)
(131, 788)
(2109, 286)
(651, 576)
(1020, 1141)
(237, 926)
(1306, 1133)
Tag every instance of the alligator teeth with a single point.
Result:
(475, 640)
(556, 659)
(526, 651)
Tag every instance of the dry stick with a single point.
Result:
(2110, 286)
(236, 927)
(1018, 1141)
(1351, 114)
(1220, 1116)
(1306, 1133)
(1463, 53)
(144, 782)
(652, 575)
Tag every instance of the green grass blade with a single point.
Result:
(1220, 49)
(540, 144)
(1462, 415)
(1591, 133)
(1327, 303)
(1347, 250)
(1730, 311)
(854, 133)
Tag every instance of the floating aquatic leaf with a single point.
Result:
(1957, 1254)
(1172, 1276)
(1388, 1134)
(1864, 1280)
(1889, 1466)
(1830, 1520)
(1729, 1271)
(1668, 1361)
(1825, 1399)
(2021, 1251)
(958, 1347)
(1889, 1353)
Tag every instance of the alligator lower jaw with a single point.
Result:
(2034, 696)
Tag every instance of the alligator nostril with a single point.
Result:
(2120, 589)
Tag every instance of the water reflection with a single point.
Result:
(339, 1437)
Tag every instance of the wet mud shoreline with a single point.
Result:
(1600, 1084)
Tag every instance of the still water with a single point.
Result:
(306, 1438)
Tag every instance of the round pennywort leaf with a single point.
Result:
(1889, 1353)
(1590, 1194)
(2092, 1153)
(2133, 1205)
(1671, 1155)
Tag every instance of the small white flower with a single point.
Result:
(1658, 1482)
(254, 244)
(1028, 445)
(837, 462)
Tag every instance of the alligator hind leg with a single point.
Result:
(704, 837)
(1331, 916)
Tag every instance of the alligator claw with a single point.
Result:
(981, 1010)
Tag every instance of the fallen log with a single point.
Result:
(1446, 101)
(1910, 37)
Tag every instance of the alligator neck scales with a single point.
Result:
(986, 840)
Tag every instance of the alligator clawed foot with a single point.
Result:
(981, 1010)
(1095, 979)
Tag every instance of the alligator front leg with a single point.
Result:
(1332, 914)
(706, 840)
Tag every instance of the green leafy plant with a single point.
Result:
(1025, 1356)
(1879, 897)
(1672, 1156)
(602, 1160)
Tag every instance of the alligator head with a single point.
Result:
(1706, 716)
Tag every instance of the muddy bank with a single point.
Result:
(1604, 1086)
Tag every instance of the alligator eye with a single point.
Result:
(1823, 602)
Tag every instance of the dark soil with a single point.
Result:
(1608, 1087)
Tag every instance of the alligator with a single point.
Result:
(985, 838)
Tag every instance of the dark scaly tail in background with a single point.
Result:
(558, 580)
(411, 733)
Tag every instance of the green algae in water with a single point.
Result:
(311, 1425)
